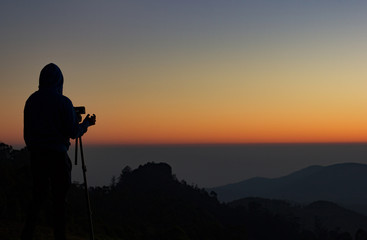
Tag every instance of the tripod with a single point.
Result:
(84, 167)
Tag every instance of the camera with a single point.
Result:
(79, 110)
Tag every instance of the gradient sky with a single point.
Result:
(193, 71)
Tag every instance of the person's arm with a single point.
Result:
(74, 129)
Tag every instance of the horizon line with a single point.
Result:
(162, 144)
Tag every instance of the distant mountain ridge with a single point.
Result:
(344, 183)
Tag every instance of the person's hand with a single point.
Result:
(79, 117)
(91, 119)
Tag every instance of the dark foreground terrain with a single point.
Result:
(150, 203)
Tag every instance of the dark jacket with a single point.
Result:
(49, 117)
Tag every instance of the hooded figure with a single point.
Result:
(49, 117)
(49, 123)
(51, 77)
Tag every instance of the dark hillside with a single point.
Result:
(322, 214)
(143, 203)
(154, 205)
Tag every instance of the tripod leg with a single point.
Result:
(86, 190)
(76, 151)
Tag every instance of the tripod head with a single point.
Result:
(79, 111)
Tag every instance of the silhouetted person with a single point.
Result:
(49, 123)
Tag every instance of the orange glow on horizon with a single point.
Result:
(196, 125)
(231, 133)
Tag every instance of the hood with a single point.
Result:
(51, 78)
